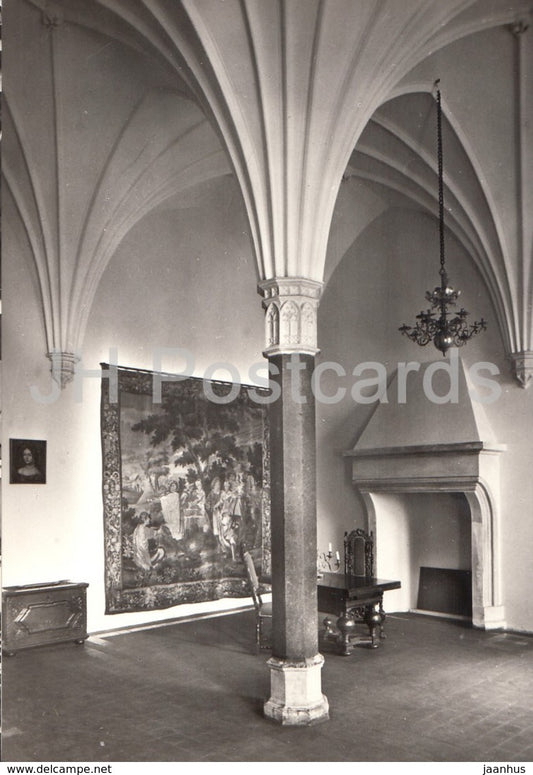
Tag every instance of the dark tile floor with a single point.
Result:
(436, 691)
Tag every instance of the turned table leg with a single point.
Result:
(346, 626)
(374, 625)
(383, 617)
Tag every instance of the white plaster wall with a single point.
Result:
(40, 522)
(417, 530)
(476, 76)
(393, 560)
(184, 278)
(378, 285)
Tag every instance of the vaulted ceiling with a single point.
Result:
(115, 105)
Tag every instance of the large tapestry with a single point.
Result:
(185, 487)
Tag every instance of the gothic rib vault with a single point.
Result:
(291, 89)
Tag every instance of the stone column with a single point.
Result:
(295, 666)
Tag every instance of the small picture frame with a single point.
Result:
(27, 461)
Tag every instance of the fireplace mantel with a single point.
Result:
(445, 453)
(445, 467)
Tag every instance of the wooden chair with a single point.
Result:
(359, 561)
(262, 610)
(359, 553)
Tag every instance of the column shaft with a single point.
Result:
(296, 691)
(293, 509)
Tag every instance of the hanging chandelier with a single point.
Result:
(439, 325)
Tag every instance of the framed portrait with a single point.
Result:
(27, 461)
(185, 487)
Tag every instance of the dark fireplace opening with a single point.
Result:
(445, 590)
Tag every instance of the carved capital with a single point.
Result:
(63, 366)
(291, 306)
(519, 27)
(523, 367)
(53, 16)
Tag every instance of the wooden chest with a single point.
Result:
(41, 614)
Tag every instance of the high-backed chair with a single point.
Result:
(359, 561)
(262, 610)
(359, 553)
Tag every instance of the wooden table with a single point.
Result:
(351, 598)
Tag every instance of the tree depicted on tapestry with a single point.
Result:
(192, 491)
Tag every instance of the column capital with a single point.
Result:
(63, 366)
(523, 367)
(291, 306)
(519, 27)
(53, 16)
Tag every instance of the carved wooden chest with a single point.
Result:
(39, 614)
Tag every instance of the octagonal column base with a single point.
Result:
(296, 692)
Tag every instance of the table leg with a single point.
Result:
(346, 626)
(383, 617)
(374, 625)
(329, 631)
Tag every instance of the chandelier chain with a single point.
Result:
(441, 324)
(441, 182)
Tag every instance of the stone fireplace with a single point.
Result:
(420, 446)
